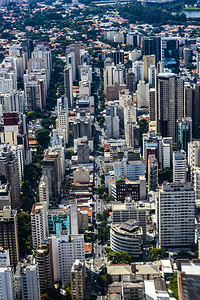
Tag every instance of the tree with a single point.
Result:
(101, 190)
(114, 257)
(69, 153)
(126, 258)
(68, 292)
(173, 286)
(43, 137)
(166, 174)
(157, 254)
(24, 230)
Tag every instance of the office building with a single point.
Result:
(58, 220)
(184, 136)
(78, 280)
(176, 215)
(126, 237)
(131, 170)
(9, 233)
(83, 152)
(170, 103)
(142, 94)
(152, 72)
(152, 45)
(68, 85)
(170, 53)
(138, 70)
(129, 210)
(130, 82)
(136, 189)
(152, 104)
(179, 166)
(188, 278)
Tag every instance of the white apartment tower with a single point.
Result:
(30, 286)
(6, 283)
(176, 215)
(39, 224)
(193, 157)
(44, 190)
(66, 249)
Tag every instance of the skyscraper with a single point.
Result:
(152, 45)
(170, 53)
(170, 103)
(68, 85)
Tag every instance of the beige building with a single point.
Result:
(148, 60)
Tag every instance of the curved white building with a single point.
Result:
(126, 237)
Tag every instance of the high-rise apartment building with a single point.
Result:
(176, 215)
(78, 280)
(148, 60)
(44, 260)
(29, 278)
(138, 70)
(132, 135)
(9, 233)
(66, 249)
(39, 223)
(152, 173)
(52, 169)
(7, 289)
(193, 157)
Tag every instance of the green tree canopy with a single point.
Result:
(43, 137)
(157, 254)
